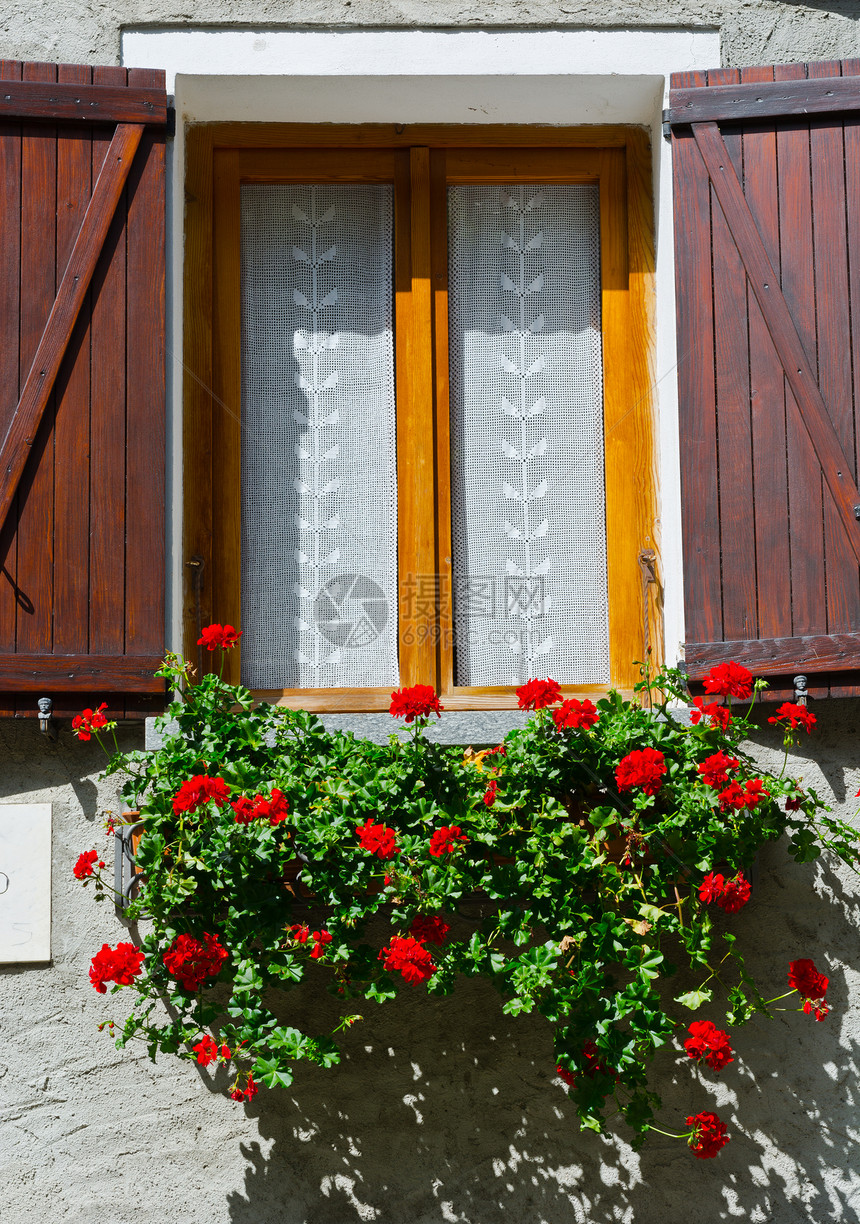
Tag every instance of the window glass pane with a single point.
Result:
(319, 494)
(529, 533)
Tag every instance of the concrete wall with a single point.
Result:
(444, 1110)
(753, 31)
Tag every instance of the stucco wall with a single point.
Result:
(753, 31)
(443, 1110)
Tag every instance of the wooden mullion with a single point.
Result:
(623, 537)
(445, 543)
(416, 545)
(640, 472)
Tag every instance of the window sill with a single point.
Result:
(467, 727)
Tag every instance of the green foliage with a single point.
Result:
(575, 898)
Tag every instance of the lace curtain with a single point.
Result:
(319, 493)
(529, 531)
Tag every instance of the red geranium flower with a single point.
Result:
(429, 929)
(644, 767)
(736, 798)
(729, 680)
(719, 715)
(811, 985)
(275, 809)
(379, 839)
(89, 721)
(795, 715)
(755, 792)
(714, 769)
(121, 964)
(224, 636)
(575, 714)
(419, 701)
(248, 1092)
(537, 694)
(409, 957)
(301, 932)
(446, 840)
(730, 895)
(207, 1051)
(490, 793)
(199, 790)
(192, 962)
(709, 1135)
(84, 866)
(321, 938)
(709, 1044)
(592, 1068)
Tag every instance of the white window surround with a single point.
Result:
(558, 76)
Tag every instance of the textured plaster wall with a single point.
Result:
(443, 1110)
(754, 31)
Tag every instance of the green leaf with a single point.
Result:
(695, 998)
(270, 1073)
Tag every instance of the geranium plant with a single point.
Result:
(576, 867)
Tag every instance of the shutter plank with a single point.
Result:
(833, 327)
(38, 287)
(697, 393)
(91, 104)
(734, 449)
(10, 280)
(72, 412)
(817, 652)
(145, 396)
(107, 490)
(767, 392)
(85, 673)
(806, 506)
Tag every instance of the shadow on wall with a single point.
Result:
(446, 1110)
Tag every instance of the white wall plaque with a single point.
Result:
(25, 883)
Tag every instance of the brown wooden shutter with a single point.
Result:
(82, 386)
(767, 239)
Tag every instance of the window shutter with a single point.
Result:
(767, 240)
(82, 386)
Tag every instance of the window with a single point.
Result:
(426, 456)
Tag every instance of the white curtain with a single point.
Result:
(529, 531)
(319, 492)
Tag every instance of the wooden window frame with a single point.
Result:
(421, 161)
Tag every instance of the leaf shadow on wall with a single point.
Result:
(446, 1110)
